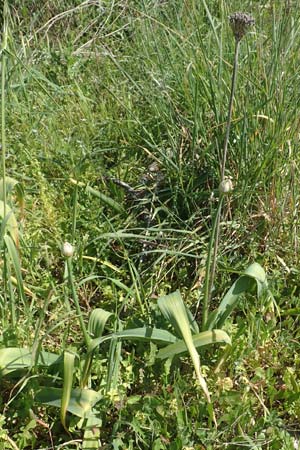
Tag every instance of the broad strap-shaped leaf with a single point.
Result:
(145, 334)
(14, 358)
(9, 223)
(80, 403)
(69, 359)
(254, 276)
(136, 334)
(175, 312)
(97, 321)
(14, 256)
(12, 186)
(199, 340)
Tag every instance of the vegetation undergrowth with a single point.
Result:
(125, 253)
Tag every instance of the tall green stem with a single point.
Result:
(3, 135)
(3, 124)
(215, 235)
(76, 301)
(74, 213)
(206, 298)
(230, 107)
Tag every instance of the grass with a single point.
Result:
(138, 92)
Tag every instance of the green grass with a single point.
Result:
(99, 94)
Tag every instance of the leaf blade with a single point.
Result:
(199, 340)
(253, 276)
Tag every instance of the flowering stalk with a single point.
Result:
(3, 125)
(68, 251)
(240, 23)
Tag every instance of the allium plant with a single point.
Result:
(240, 24)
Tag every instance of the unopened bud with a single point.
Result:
(67, 249)
(226, 186)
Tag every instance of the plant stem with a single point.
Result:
(74, 213)
(215, 235)
(229, 116)
(76, 301)
(3, 124)
(207, 284)
(3, 136)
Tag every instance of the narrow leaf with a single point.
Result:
(104, 198)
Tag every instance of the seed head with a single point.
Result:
(67, 249)
(226, 186)
(240, 23)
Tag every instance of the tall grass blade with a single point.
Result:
(104, 198)
(211, 21)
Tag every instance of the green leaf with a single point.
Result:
(69, 359)
(14, 256)
(80, 403)
(104, 198)
(137, 334)
(175, 311)
(12, 186)
(14, 358)
(91, 435)
(9, 223)
(199, 340)
(254, 276)
(10, 183)
(97, 321)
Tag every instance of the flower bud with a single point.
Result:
(226, 186)
(67, 249)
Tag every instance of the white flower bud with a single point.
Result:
(226, 186)
(67, 249)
